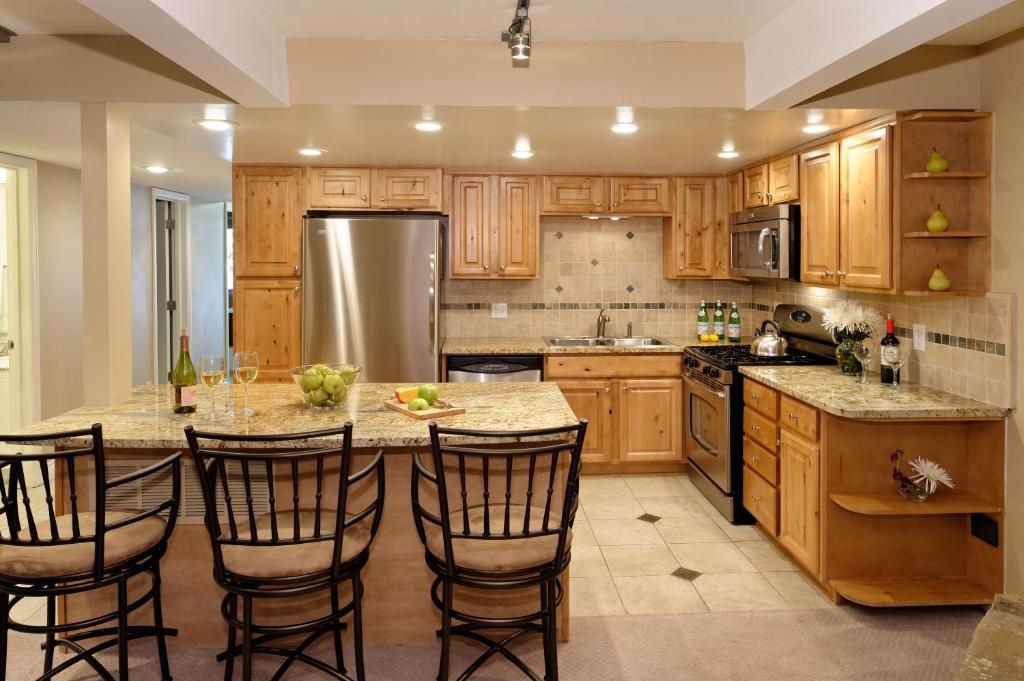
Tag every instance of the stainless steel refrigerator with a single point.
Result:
(370, 288)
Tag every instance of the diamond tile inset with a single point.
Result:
(630, 288)
(594, 262)
(558, 235)
(559, 288)
(649, 518)
(687, 574)
(630, 235)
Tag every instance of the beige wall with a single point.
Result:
(142, 285)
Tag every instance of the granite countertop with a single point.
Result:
(538, 346)
(996, 652)
(826, 388)
(147, 420)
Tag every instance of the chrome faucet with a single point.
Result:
(602, 321)
(629, 329)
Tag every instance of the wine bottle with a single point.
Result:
(718, 325)
(186, 392)
(703, 323)
(735, 328)
(889, 342)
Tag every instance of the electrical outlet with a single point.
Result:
(920, 334)
(499, 310)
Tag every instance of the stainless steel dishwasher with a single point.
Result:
(495, 368)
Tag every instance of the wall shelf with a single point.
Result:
(948, 234)
(950, 175)
(913, 592)
(891, 504)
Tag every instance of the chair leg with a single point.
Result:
(339, 653)
(550, 632)
(51, 622)
(122, 629)
(158, 622)
(247, 638)
(446, 629)
(4, 612)
(357, 626)
(229, 663)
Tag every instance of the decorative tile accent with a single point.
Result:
(559, 288)
(976, 344)
(649, 518)
(630, 235)
(686, 573)
(594, 262)
(630, 288)
(558, 235)
(611, 305)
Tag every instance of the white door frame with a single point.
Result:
(183, 267)
(25, 274)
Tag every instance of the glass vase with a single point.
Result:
(848, 363)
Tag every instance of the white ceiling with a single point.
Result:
(28, 17)
(556, 20)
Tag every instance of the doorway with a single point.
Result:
(10, 416)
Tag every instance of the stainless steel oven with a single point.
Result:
(764, 242)
(708, 426)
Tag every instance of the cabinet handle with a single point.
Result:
(828, 273)
(841, 274)
(295, 269)
(756, 500)
(755, 458)
(382, 199)
(792, 416)
(364, 197)
(755, 396)
(757, 429)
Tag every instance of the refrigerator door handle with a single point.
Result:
(432, 302)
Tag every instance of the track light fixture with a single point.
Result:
(517, 35)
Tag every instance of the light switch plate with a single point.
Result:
(499, 310)
(920, 333)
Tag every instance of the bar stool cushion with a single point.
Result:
(498, 555)
(293, 560)
(64, 560)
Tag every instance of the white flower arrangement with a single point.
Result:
(847, 319)
(930, 475)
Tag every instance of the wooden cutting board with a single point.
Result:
(438, 409)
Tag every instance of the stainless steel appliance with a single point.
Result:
(370, 294)
(764, 243)
(495, 368)
(713, 403)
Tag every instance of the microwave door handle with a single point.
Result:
(766, 233)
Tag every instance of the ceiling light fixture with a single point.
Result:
(157, 169)
(517, 35)
(625, 128)
(816, 128)
(216, 124)
(624, 125)
(427, 126)
(311, 151)
(728, 154)
(522, 149)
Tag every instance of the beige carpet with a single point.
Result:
(848, 644)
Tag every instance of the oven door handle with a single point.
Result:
(765, 233)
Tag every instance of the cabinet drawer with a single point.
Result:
(761, 398)
(761, 500)
(799, 418)
(761, 430)
(761, 460)
(622, 366)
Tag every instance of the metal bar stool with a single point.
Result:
(501, 520)
(47, 554)
(303, 540)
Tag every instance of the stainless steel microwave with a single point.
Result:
(764, 242)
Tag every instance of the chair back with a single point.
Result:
(520, 484)
(294, 489)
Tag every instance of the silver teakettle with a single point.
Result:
(769, 341)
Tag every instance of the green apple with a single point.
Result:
(419, 404)
(428, 392)
(318, 397)
(339, 395)
(349, 373)
(310, 380)
(332, 382)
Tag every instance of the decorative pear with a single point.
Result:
(939, 281)
(938, 221)
(936, 162)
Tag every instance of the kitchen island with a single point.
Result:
(396, 604)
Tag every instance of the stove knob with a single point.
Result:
(713, 372)
(707, 371)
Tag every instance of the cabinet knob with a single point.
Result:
(755, 458)
(614, 204)
(295, 269)
(295, 290)
(755, 396)
(681, 268)
(485, 268)
(598, 204)
(757, 429)
(381, 199)
(841, 274)
(364, 197)
(501, 267)
(756, 500)
(828, 273)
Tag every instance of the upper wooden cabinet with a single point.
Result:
(268, 320)
(573, 194)
(470, 226)
(783, 185)
(640, 195)
(819, 215)
(329, 188)
(688, 239)
(518, 227)
(400, 188)
(755, 186)
(865, 215)
(734, 193)
(268, 208)
(494, 227)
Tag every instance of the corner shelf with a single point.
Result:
(946, 116)
(944, 294)
(949, 175)
(913, 592)
(948, 234)
(891, 504)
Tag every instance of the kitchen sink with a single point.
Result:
(632, 342)
(573, 342)
(590, 342)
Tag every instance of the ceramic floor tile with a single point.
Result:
(671, 507)
(601, 507)
(655, 486)
(690, 529)
(594, 596)
(582, 535)
(602, 484)
(738, 592)
(711, 557)
(659, 595)
(581, 513)
(737, 532)
(587, 561)
(688, 487)
(619, 532)
(765, 556)
(798, 591)
(638, 560)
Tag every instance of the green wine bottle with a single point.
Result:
(186, 392)
(703, 323)
(718, 321)
(735, 328)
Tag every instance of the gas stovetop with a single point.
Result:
(732, 356)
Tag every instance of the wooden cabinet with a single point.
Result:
(819, 215)
(651, 195)
(761, 429)
(688, 241)
(799, 525)
(403, 188)
(783, 183)
(268, 208)
(761, 499)
(865, 216)
(573, 194)
(761, 398)
(469, 226)
(650, 420)
(734, 192)
(798, 418)
(592, 400)
(494, 227)
(518, 227)
(336, 188)
(268, 320)
(755, 186)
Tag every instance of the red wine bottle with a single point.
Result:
(889, 341)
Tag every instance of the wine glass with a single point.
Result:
(863, 350)
(896, 356)
(211, 371)
(247, 367)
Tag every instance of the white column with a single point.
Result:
(106, 254)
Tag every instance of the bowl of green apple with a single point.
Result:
(325, 386)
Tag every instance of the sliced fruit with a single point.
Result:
(418, 404)
(407, 395)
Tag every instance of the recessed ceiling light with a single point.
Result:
(522, 153)
(311, 151)
(728, 154)
(593, 217)
(427, 126)
(157, 170)
(216, 124)
(816, 128)
(522, 149)
(625, 128)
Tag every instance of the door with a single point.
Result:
(370, 295)
(734, 184)
(819, 215)
(865, 218)
(518, 227)
(329, 188)
(693, 232)
(10, 376)
(640, 195)
(649, 426)
(470, 228)
(166, 266)
(707, 424)
(798, 493)
(268, 210)
(268, 321)
(400, 188)
(572, 194)
(783, 183)
(592, 400)
(755, 186)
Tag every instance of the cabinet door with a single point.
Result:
(735, 192)
(798, 500)
(640, 195)
(650, 420)
(761, 499)
(399, 188)
(338, 188)
(518, 227)
(755, 186)
(691, 235)
(268, 320)
(572, 194)
(469, 229)
(782, 180)
(865, 217)
(268, 210)
(819, 215)
(592, 400)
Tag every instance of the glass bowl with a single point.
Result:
(325, 386)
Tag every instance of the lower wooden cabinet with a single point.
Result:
(799, 525)
(268, 320)
(650, 420)
(761, 499)
(592, 400)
